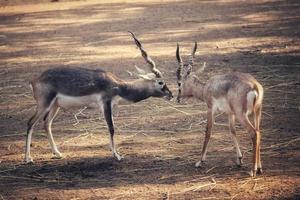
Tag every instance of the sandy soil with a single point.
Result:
(160, 140)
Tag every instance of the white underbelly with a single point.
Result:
(90, 101)
(221, 105)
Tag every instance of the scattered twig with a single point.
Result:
(202, 122)
(180, 110)
(143, 131)
(261, 188)
(245, 182)
(152, 169)
(78, 113)
(12, 135)
(213, 187)
(86, 134)
(34, 178)
(254, 186)
(131, 136)
(285, 101)
(220, 124)
(282, 144)
(25, 110)
(210, 169)
(25, 94)
(281, 84)
(285, 91)
(198, 187)
(176, 108)
(245, 152)
(234, 196)
(218, 115)
(201, 178)
(273, 71)
(11, 169)
(269, 115)
(10, 87)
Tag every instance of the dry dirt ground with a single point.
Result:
(160, 140)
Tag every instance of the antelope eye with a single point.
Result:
(160, 82)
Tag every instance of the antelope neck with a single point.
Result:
(134, 91)
(198, 89)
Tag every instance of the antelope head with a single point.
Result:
(186, 77)
(154, 79)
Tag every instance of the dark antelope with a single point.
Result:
(77, 87)
(236, 94)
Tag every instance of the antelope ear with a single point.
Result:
(134, 74)
(189, 69)
(129, 73)
(139, 70)
(138, 73)
(196, 77)
(145, 76)
(199, 71)
(149, 76)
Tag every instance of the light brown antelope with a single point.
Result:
(77, 87)
(236, 94)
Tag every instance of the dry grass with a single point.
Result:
(160, 140)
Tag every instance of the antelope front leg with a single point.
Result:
(210, 121)
(108, 117)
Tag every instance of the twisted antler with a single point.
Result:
(146, 57)
(191, 58)
(180, 65)
(178, 72)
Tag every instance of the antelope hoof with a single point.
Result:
(239, 161)
(259, 171)
(118, 157)
(253, 173)
(200, 163)
(57, 155)
(28, 160)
